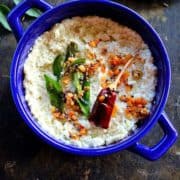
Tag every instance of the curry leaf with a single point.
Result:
(86, 88)
(56, 101)
(4, 10)
(72, 49)
(79, 61)
(58, 65)
(83, 102)
(77, 78)
(33, 12)
(54, 90)
(83, 106)
(52, 85)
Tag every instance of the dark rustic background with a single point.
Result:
(24, 156)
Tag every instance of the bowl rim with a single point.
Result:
(95, 150)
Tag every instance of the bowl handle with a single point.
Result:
(14, 18)
(155, 152)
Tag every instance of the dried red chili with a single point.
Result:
(103, 107)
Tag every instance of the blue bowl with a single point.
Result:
(116, 12)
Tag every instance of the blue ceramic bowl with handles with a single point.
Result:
(116, 12)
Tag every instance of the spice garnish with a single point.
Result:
(104, 104)
(135, 107)
(94, 43)
(137, 74)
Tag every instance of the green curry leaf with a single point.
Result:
(72, 49)
(79, 61)
(52, 85)
(4, 10)
(33, 12)
(76, 79)
(54, 90)
(83, 102)
(83, 106)
(58, 65)
(86, 96)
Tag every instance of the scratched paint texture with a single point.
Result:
(24, 156)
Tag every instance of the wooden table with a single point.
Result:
(24, 156)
